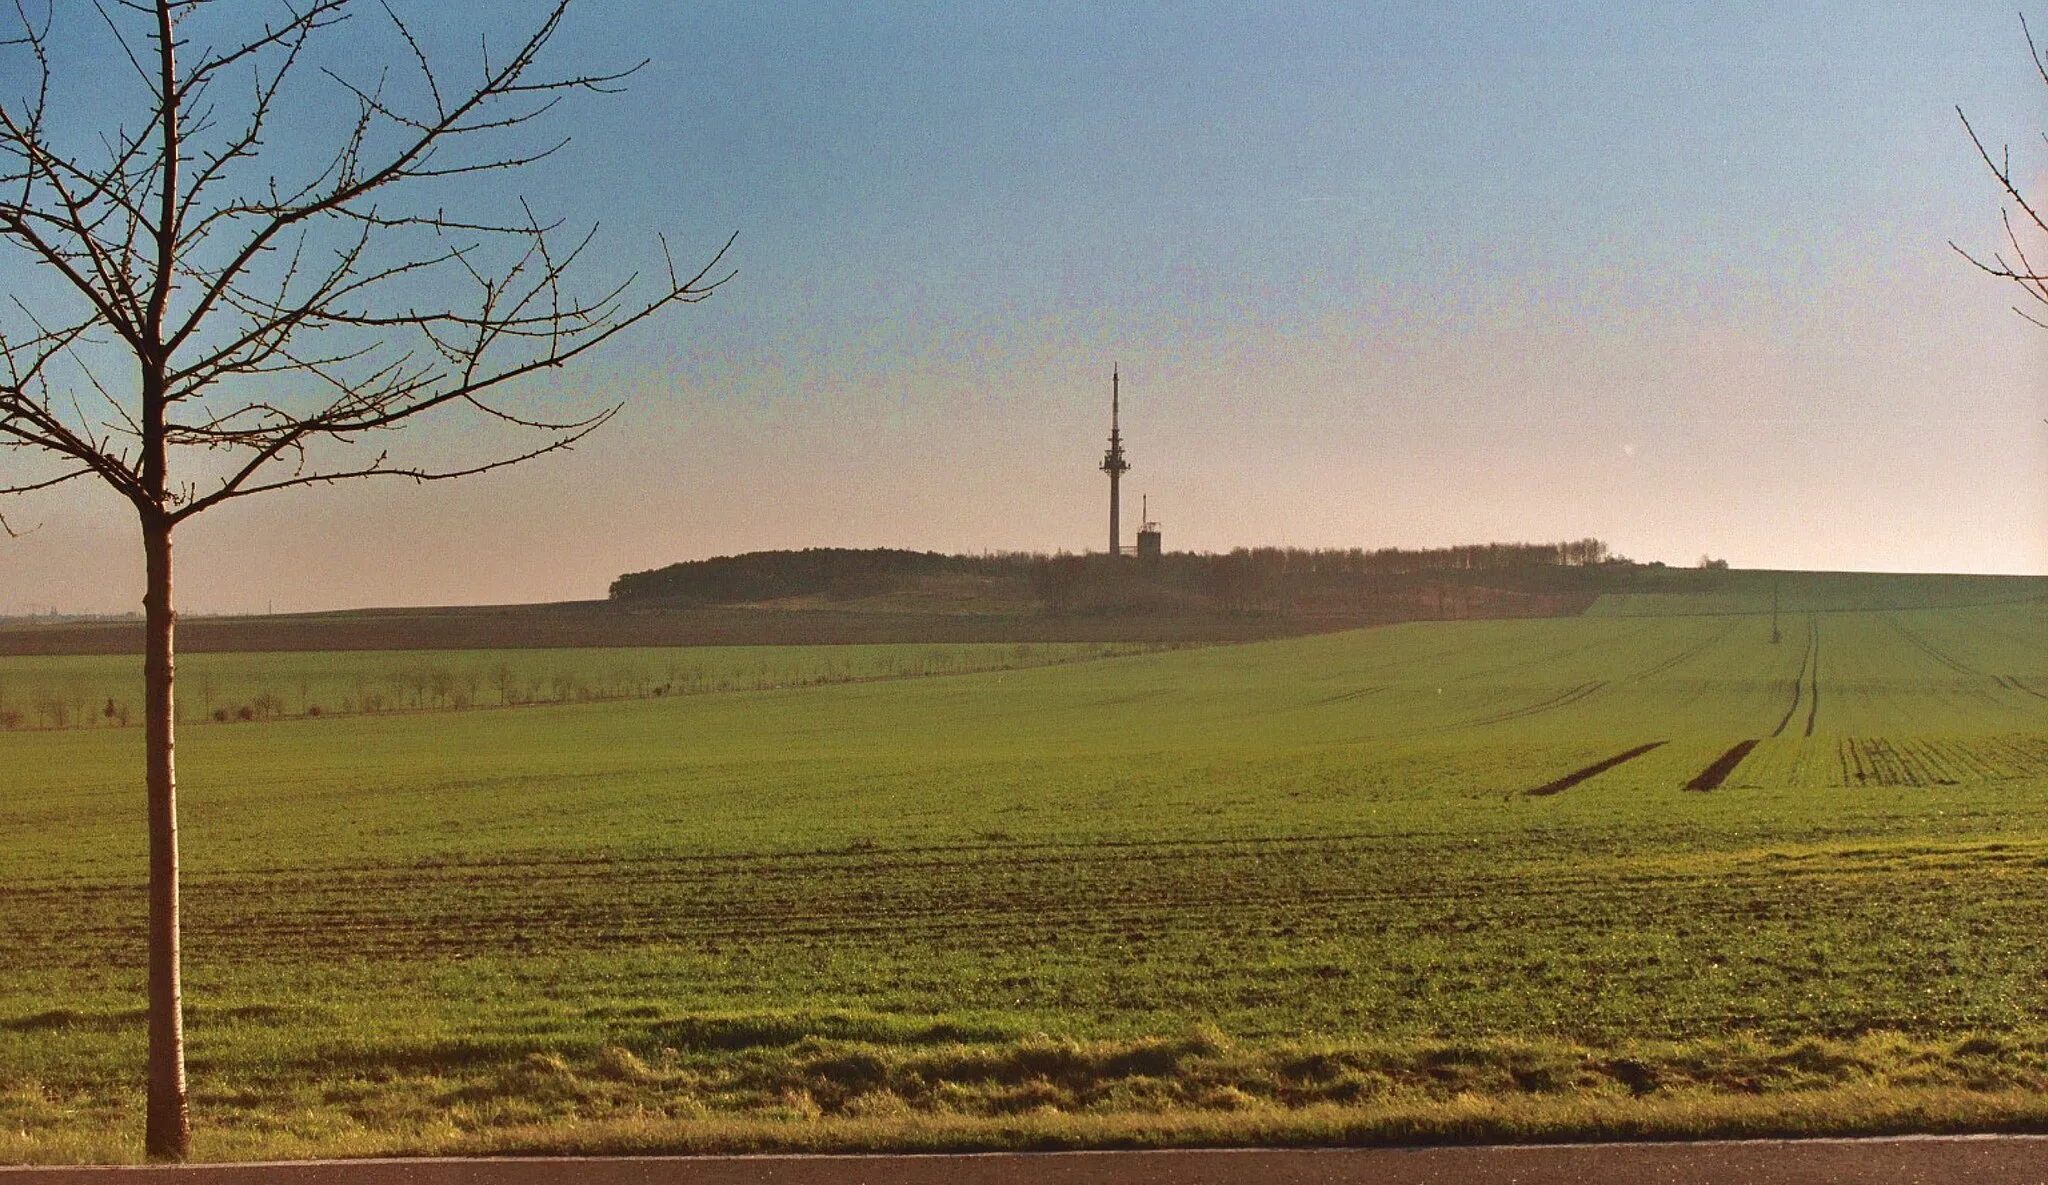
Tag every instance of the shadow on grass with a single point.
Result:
(71, 1018)
(731, 1034)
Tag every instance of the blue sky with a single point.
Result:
(1676, 275)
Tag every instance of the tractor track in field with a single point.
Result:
(2014, 683)
(1563, 699)
(1682, 657)
(1798, 684)
(1805, 687)
(1813, 679)
(1550, 659)
(1950, 661)
(1346, 696)
(1592, 771)
(1932, 651)
(2009, 639)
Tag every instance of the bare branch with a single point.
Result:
(380, 468)
(288, 318)
(2014, 263)
(32, 486)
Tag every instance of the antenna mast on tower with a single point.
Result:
(1113, 463)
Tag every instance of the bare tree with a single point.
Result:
(204, 313)
(2024, 217)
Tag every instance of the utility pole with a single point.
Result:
(1113, 463)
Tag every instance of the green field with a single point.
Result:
(105, 690)
(1331, 888)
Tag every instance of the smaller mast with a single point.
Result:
(1148, 533)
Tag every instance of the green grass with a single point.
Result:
(105, 691)
(1673, 592)
(1288, 892)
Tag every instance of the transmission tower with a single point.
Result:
(1113, 463)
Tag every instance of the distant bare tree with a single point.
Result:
(219, 316)
(2022, 215)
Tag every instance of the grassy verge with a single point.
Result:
(1466, 1120)
(772, 1083)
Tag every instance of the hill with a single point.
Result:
(1263, 579)
(832, 596)
(838, 596)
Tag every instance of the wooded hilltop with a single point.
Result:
(1272, 579)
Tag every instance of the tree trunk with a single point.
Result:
(169, 1124)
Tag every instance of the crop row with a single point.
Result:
(1922, 761)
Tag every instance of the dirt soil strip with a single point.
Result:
(1592, 771)
(1953, 1160)
(1711, 777)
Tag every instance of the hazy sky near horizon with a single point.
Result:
(1675, 275)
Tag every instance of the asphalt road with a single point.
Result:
(1933, 1160)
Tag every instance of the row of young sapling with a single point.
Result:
(81, 701)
